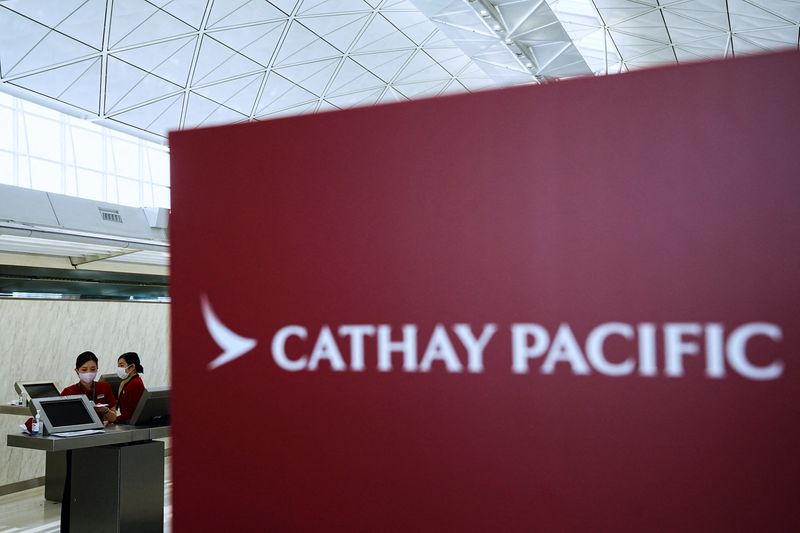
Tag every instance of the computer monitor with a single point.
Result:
(152, 409)
(114, 381)
(36, 389)
(67, 413)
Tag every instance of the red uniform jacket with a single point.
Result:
(129, 398)
(100, 392)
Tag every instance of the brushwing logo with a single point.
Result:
(233, 345)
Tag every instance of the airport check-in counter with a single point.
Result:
(55, 462)
(123, 463)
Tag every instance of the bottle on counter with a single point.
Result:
(36, 425)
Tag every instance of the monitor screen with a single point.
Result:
(41, 390)
(66, 414)
(153, 408)
(114, 381)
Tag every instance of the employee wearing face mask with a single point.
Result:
(99, 392)
(131, 387)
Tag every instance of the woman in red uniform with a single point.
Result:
(131, 387)
(99, 392)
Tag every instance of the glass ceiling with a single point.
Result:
(149, 66)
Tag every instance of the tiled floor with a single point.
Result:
(28, 511)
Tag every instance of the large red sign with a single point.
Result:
(561, 308)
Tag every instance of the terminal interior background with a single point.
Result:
(90, 88)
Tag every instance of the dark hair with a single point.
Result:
(84, 358)
(132, 358)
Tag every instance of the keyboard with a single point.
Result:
(80, 433)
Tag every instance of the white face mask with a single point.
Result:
(87, 377)
(122, 372)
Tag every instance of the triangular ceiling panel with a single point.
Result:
(326, 106)
(297, 110)
(47, 12)
(633, 46)
(280, 93)
(217, 62)
(287, 6)
(157, 117)
(18, 36)
(256, 42)
(232, 12)
(395, 4)
(201, 111)
(656, 57)
(622, 12)
(170, 60)
(380, 35)
(239, 94)
(324, 7)
(412, 23)
(438, 39)
(86, 23)
(189, 11)
(137, 21)
(52, 49)
(391, 95)
(746, 23)
(680, 15)
(422, 68)
(454, 87)
(353, 77)
(339, 30)
(474, 78)
(680, 34)
(452, 59)
(303, 45)
(77, 84)
(788, 9)
(743, 46)
(774, 38)
(311, 76)
(385, 65)
(356, 99)
(128, 86)
(418, 90)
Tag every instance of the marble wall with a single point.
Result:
(40, 339)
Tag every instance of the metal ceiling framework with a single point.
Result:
(620, 35)
(152, 66)
(148, 66)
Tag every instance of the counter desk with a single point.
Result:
(116, 478)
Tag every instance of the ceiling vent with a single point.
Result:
(110, 215)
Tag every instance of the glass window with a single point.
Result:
(45, 175)
(71, 184)
(23, 172)
(159, 166)
(161, 197)
(88, 148)
(129, 193)
(126, 158)
(7, 168)
(111, 190)
(45, 149)
(6, 129)
(44, 137)
(90, 184)
(35, 109)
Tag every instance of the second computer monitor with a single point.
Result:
(114, 381)
(152, 409)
